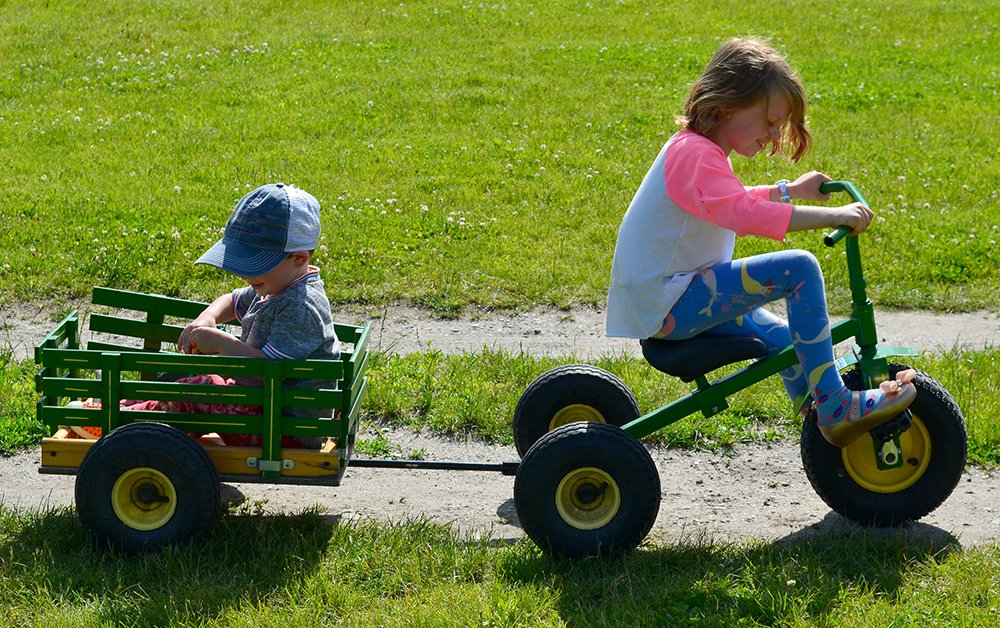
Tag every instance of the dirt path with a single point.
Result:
(756, 491)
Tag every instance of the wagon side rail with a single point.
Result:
(111, 371)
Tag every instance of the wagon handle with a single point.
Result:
(829, 187)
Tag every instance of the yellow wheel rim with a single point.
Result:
(144, 499)
(588, 498)
(915, 448)
(576, 413)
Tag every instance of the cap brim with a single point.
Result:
(241, 259)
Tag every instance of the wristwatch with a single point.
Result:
(783, 190)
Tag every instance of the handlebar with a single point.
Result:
(830, 187)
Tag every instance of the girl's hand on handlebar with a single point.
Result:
(856, 216)
(806, 187)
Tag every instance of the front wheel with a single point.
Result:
(872, 488)
(145, 486)
(587, 489)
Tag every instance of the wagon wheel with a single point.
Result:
(932, 452)
(571, 394)
(587, 489)
(145, 486)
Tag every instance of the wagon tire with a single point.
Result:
(145, 486)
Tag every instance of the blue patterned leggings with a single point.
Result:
(726, 300)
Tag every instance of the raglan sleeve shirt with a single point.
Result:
(700, 179)
(684, 218)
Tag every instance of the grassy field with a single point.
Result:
(468, 153)
(479, 155)
(298, 570)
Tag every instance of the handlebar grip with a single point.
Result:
(830, 187)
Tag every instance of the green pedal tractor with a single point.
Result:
(587, 487)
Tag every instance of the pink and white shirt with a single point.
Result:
(684, 218)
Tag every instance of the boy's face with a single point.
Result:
(749, 131)
(281, 276)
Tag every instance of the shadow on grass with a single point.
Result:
(263, 561)
(249, 555)
(695, 580)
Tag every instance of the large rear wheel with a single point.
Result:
(900, 481)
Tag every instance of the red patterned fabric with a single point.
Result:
(240, 440)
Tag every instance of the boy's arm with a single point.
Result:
(222, 310)
(213, 341)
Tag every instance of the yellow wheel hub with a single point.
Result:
(588, 498)
(914, 447)
(144, 499)
(576, 413)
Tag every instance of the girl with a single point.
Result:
(673, 274)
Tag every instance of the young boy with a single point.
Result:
(284, 312)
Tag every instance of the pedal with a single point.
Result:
(888, 431)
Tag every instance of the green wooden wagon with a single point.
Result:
(143, 480)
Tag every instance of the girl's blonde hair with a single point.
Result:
(742, 73)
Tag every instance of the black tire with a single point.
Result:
(570, 394)
(933, 451)
(145, 486)
(587, 489)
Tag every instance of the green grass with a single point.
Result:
(265, 569)
(468, 154)
(18, 425)
(479, 155)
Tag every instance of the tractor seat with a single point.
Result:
(691, 358)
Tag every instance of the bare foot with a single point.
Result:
(893, 386)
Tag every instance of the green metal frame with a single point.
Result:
(130, 373)
(710, 398)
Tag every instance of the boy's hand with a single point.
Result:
(209, 340)
(222, 310)
(184, 342)
(806, 187)
(214, 341)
